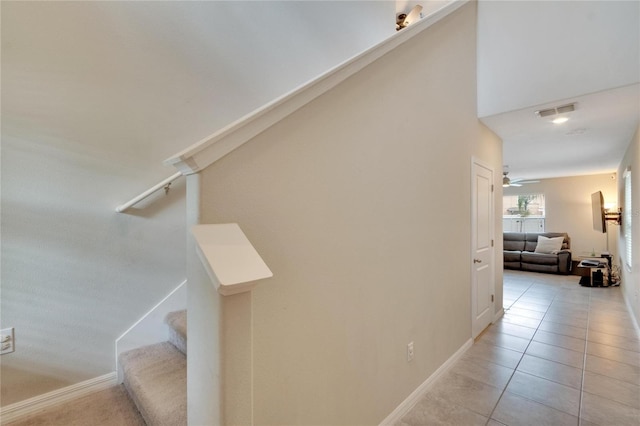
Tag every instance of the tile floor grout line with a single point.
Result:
(586, 342)
(553, 381)
(490, 417)
(525, 350)
(584, 362)
(523, 354)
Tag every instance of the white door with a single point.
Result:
(482, 257)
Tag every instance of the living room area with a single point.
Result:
(564, 206)
(571, 130)
(562, 353)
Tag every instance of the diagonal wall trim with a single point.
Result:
(415, 396)
(150, 328)
(203, 153)
(32, 405)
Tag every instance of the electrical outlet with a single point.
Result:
(410, 352)
(7, 341)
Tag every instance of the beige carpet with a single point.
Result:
(110, 407)
(177, 322)
(156, 378)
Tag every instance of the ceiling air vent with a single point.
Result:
(556, 110)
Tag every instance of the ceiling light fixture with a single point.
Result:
(560, 120)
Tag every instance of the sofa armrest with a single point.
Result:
(564, 261)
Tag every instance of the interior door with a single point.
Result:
(482, 253)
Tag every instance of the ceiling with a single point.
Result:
(593, 141)
(537, 55)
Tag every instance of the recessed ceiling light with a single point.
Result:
(560, 120)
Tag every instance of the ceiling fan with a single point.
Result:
(403, 20)
(506, 181)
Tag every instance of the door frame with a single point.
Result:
(492, 230)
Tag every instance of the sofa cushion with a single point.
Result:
(548, 245)
(566, 242)
(512, 256)
(512, 265)
(539, 258)
(513, 241)
(531, 239)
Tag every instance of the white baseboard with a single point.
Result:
(631, 311)
(415, 396)
(30, 406)
(498, 315)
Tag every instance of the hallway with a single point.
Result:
(561, 355)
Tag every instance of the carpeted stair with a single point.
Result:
(177, 322)
(156, 376)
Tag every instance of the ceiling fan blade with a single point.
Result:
(520, 180)
(413, 16)
(514, 184)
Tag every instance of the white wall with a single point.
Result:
(569, 45)
(75, 274)
(351, 203)
(568, 209)
(405, 6)
(94, 96)
(631, 277)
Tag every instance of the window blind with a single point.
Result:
(626, 218)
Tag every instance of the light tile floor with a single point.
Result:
(561, 355)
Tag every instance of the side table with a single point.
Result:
(599, 272)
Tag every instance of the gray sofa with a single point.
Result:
(519, 253)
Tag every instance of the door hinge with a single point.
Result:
(491, 187)
(492, 297)
(491, 243)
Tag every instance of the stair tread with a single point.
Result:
(177, 322)
(156, 378)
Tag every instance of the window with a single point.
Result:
(523, 213)
(626, 218)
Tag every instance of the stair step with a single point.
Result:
(156, 378)
(177, 322)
